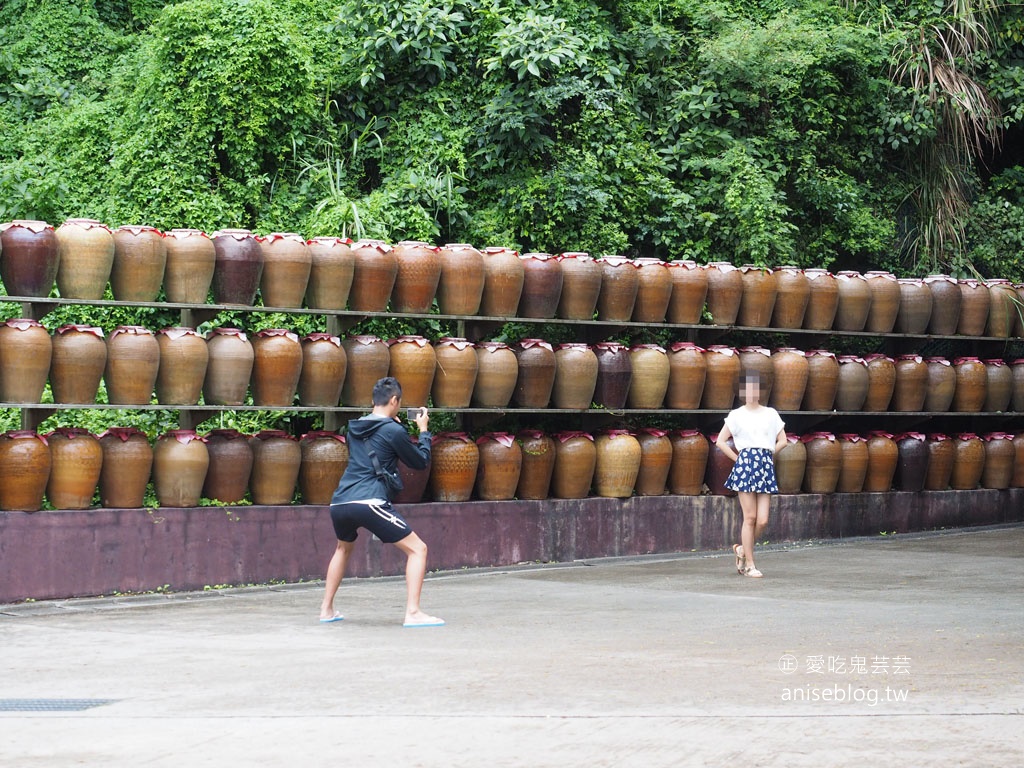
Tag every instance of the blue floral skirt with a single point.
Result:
(753, 472)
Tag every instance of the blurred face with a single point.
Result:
(751, 391)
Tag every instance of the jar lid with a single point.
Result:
(810, 436)
(274, 434)
(880, 433)
(21, 434)
(97, 332)
(569, 435)
(454, 341)
(227, 434)
(759, 350)
(686, 432)
(581, 255)
(877, 356)
(910, 436)
(655, 347)
(324, 433)
(967, 436)
(177, 332)
(852, 359)
(996, 361)
(939, 360)
(913, 357)
(502, 438)
(270, 332)
(376, 245)
(182, 233)
(23, 323)
(121, 433)
(183, 436)
(459, 436)
(530, 343)
(71, 432)
(331, 241)
(679, 346)
(492, 346)
(996, 436)
(365, 339)
(322, 337)
(530, 434)
(959, 360)
(852, 437)
(938, 437)
(721, 349)
(653, 431)
(419, 341)
(227, 332)
(137, 229)
(29, 224)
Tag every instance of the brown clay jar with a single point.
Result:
(971, 384)
(790, 465)
(76, 459)
(413, 363)
(286, 266)
(719, 467)
(912, 466)
(229, 366)
(182, 371)
(885, 302)
(968, 462)
(974, 307)
(180, 461)
(461, 287)
(793, 292)
(127, 464)
(1002, 311)
(946, 299)
(497, 373)
(614, 374)
(915, 306)
(581, 286)
(238, 267)
(654, 291)
(854, 380)
(324, 459)
(689, 291)
(276, 367)
(790, 370)
(501, 462)
(690, 451)
(414, 481)
(722, 379)
(454, 461)
(374, 270)
(1017, 481)
(79, 357)
(725, 292)
(998, 386)
(332, 266)
(455, 377)
(941, 455)
(759, 292)
(276, 459)
(1000, 455)
(854, 467)
(503, 282)
(575, 377)
(881, 382)
(24, 470)
(140, 258)
(419, 271)
(651, 371)
(536, 373)
(538, 452)
(86, 255)
(883, 455)
(911, 385)
(822, 380)
(324, 364)
(854, 301)
(824, 300)
(619, 285)
(1017, 372)
(542, 285)
(230, 467)
(29, 257)
(824, 462)
(655, 461)
(25, 354)
(369, 360)
(617, 463)
(687, 371)
(941, 384)
(191, 258)
(133, 361)
(575, 461)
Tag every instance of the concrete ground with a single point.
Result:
(903, 650)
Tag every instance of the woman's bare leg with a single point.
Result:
(748, 505)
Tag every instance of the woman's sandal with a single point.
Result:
(740, 560)
(752, 572)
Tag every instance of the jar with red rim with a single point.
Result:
(941, 456)
(374, 272)
(822, 380)
(26, 350)
(454, 461)
(654, 291)
(324, 459)
(76, 367)
(497, 373)
(140, 257)
(722, 379)
(998, 386)
(881, 382)
(86, 255)
(651, 370)
(971, 384)
(758, 360)
(419, 271)
(1003, 308)
(793, 292)
(915, 312)
(536, 373)
(885, 302)
(331, 269)
(1017, 372)
(946, 299)
(790, 464)
(461, 286)
(581, 285)
(689, 291)
(655, 461)
(725, 292)
(974, 307)
(24, 470)
(759, 293)
(180, 461)
(538, 451)
(287, 263)
(824, 300)
(790, 371)
(719, 467)
(1018, 315)
(126, 467)
(620, 283)
(413, 363)
(276, 459)
(276, 367)
(455, 377)
(229, 366)
(575, 376)
(29, 257)
(617, 463)
(188, 271)
(614, 374)
(575, 462)
(941, 384)
(853, 469)
(824, 462)
(230, 465)
(1000, 456)
(883, 455)
(184, 357)
(690, 450)
(133, 361)
(500, 464)
(76, 459)
(911, 385)
(503, 282)
(912, 465)
(324, 365)
(1017, 481)
(854, 380)
(687, 371)
(854, 301)
(968, 462)
(238, 267)
(368, 360)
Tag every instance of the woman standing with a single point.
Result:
(758, 433)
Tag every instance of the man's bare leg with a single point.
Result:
(415, 569)
(335, 573)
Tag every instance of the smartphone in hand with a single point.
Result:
(414, 413)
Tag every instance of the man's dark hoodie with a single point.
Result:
(391, 443)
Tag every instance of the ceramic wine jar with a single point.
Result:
(758, 360)
(500, 464)
(454, 461)
(324, 459)
(912, 465)
(413, 363)
(538, 451)
(620, 283)
(655, 461)
(687, 371)
(286, 266)
(324, 364)
(79, 357)
(575, 462)
(614, 374)
(414, 481)
(719, 467)
(229, 366)
(968, 462)
(885, 302)
(29, 257)
(276, 459)
(332, 266)
(824, 300)
(998, 386)
(191, 258)
(722, 377)
(182, 370)
(140, 258)
(911, 385)
(854, 301)
(180, 461)
(542, 285)
(1017, 481)
(374, 271)
(881, 382)
(238, 267)
(854, 380)
(725, 292)
(758, 301)
(654, 291)
(496, 376)
(126, 467)
(941, 384)
(941, 455)
(883, 456)
(230, 467)
(650, 375)
(25, 354)
(946, 299)
(1000, 456)
(461, 286)
(419, 270)
(133, 361)
(793, 292)
(915, 312)
(824, 461)
(690, 451)
(853, 469)
(503, 282)
(689, 290)
(1002, 311)
(276, 367)
(971, 384)
(368, 360)
(24, 470)
(86, 255)
(822, 381)
(974, 307)
(617, 463)
(75, 462)
(581, 286)
(790, 370)
(575, 377)
(536, 373)
(790, 465)
(1017, 372)
(455, 377)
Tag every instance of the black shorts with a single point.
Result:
(379, 519)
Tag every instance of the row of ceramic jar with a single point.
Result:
(330, 273)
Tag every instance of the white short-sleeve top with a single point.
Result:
(754, 428)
